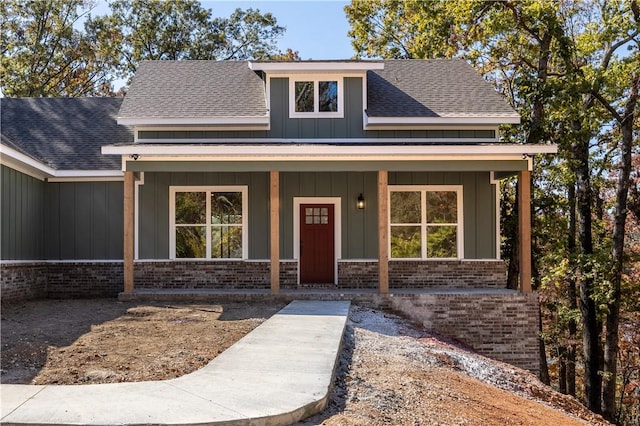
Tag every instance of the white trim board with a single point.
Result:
(337, 212)
(304, 148)
(423, 189)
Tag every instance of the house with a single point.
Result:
(264, 175)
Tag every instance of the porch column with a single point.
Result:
(383, 232)
(274, 226)
(524, 229)
(128, 249)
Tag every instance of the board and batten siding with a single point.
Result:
(153, 226)
(22, 216)
(359, 227)
(479, 206)
(83, 220)
(283, 127)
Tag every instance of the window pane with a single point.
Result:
(191, 242)
(304, 96)
(406, 242)
(226, 207)
(442, 207)
(226, 242)
(442, 241)
(405, 207)
(191, 208)
(328, 96)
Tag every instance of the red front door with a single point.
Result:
(317, 257)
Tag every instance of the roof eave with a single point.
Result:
(313, 66)
(25, 164)
(377, 123)
(261, 121)
(332, 152)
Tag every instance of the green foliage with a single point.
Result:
(569, 69)
(43, 54)
(57, 48)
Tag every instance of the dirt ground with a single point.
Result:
(390, 373)
(106, 341)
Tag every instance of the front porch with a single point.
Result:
(281, 271)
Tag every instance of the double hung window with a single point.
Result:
(208, 222)
(425, 222)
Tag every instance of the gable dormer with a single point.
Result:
(316, 89)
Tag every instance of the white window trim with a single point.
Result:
(337, 230)
(431, 188)
(208, 189)
(315, 78)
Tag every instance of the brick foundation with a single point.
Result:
(436, 274)
(215, 275)
(500, 326)
(23, 281)
(57, 280)
(31, 280)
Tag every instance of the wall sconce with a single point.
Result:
(360, 202)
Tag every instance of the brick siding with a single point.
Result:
(23, 281)
(215, 275)
(500, 326)
(436, 274)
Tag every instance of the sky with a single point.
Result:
(317, 29)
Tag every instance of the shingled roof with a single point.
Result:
(187, 89)
(432, 88)
(64, 133)
(230, 89)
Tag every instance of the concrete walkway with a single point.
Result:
(279, 373)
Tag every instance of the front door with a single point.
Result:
(317, 256)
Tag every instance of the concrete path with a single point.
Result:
(279, 373)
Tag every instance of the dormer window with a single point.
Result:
(319, 97)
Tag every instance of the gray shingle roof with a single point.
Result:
(176, 89)
(404, 88)
(64, 133)
(432, 88)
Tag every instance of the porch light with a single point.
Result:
(360, 202)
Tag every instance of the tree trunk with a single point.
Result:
(617, 256)
(571, 293)
(544, 367)
(511, 233)
(591, 329)
(562, 371)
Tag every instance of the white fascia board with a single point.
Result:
(298, 66)
(308, 152)
(361, 141)
(25, 164)
(186, 121)
(372, 122)
(87, 176)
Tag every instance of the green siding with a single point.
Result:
(478, 206)
(22, 216)
(83, 220)
(317, 128)
(359, 227)
(154, 209)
